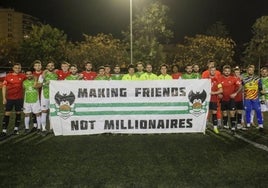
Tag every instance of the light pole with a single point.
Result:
(131, 35)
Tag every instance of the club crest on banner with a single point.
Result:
(197, 102)
(64, 104)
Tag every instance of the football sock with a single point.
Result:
(26, 122)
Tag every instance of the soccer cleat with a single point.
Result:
(226, 126)
(239, 126)
(261, 130)
(244, 128)
(215, 129)
(34, 129)
(3, 134)
(15, 132)
(233, 129)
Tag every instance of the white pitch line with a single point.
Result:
(257, 145)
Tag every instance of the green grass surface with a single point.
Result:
(160, 160)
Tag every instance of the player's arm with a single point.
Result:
(219, 91)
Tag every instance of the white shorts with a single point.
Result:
(32, 107)
(264, 107)
(44, 103)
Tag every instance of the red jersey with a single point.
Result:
(62, 75)
(239, 96)
(89, 75)
(176, 75)
(37, 74)
(206, 74)
(230, 85)
(215, 85)
(13, 83)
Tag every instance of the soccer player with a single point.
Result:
(116, 75)
(175, 71)
(252, 87)
(64, 71)
(264, 92)
(101, 75)
(189, 73)
(211, 63)
(37, 67)
(73, 73)
(12, 97)
(148, 75)
(164, 75)
(31, 101)
(239, 100)
(131, 73)
(88, 74)
(205, 74)
(139, 67)
(196, 70)
(107, 71)
(216, 89)
(231, 87)
(43, 82)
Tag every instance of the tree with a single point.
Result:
(218, 29)
(257, 49)
(150, 30)
(8, 51)
(201, 48)
(100, 50)
(44, 43)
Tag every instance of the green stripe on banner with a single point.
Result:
(131, 104)
(98, 113)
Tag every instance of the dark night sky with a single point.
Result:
(190, 17)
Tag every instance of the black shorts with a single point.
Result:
(17, 103)
(228, 105)
(213, 106)
(239, 105)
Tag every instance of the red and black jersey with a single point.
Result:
(215, 85)
(13, 83)
(62, 75)
(239, 96)
(89, 75)
(230, 85)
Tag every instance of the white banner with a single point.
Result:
(131, 107)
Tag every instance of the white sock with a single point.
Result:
(44, 121)
(26, 122)
(38, 119)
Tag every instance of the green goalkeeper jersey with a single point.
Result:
(31, 94)
(265, 86)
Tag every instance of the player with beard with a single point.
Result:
(231, 87)
(12, 97)
(43, 81)
(252, 88)
(216, 89)
(88, 74)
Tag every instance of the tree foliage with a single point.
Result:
(8, 51)
(258, 45)
(44, 43)
(100, 50)
(201, 48)
(150, 30)
(218, 29)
